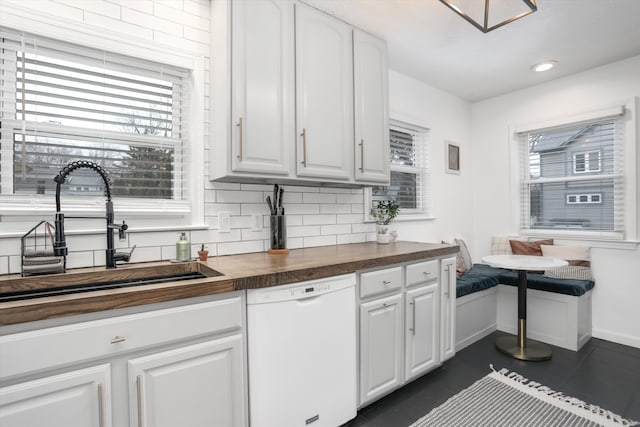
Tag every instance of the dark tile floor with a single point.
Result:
(601, 373)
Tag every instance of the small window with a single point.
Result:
(408, 170)
(584, 198)
(586, 162)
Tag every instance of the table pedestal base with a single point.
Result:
(532, 350)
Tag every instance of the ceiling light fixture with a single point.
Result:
(497, 14)
(544, 66)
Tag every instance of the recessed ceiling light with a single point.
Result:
(544, 66)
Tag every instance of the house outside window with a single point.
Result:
(64, 102)
(409, 171)
(571, 178)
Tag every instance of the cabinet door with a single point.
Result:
(324, 95)
(78, 398)
(262, 86)
(448, 309)
(196, 385)
(371, 108)
(422, 330)
(380, 346)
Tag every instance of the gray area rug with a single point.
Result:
(506, 399)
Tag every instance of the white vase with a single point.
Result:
(383, 238)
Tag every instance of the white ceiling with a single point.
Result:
(429, 42)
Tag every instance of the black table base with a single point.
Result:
(519, 346)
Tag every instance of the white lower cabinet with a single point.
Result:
(423, 330)
(404, 328)
(79, 398)
(381, 337)
(183, 364)
(196, 385)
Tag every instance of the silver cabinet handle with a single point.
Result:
(446, 292)
(240, 139)
(361, 155)
(100, 405)
(426, 273)
(386, 282)
(413, 322)
(139, 396)
(304, 147)
(117, 339)
(384, 304)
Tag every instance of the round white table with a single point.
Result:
(519, 347)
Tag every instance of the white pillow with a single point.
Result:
(464, 251)
(568, 253)
(570, 272)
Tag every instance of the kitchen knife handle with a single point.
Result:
(240, 138)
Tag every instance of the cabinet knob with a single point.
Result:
(117, 339)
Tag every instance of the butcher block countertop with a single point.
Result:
(227, 274)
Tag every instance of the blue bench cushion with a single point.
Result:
(543, 283)
(478, 278)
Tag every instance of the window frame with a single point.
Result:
(628, 239)
(413, 126)
(162, 215)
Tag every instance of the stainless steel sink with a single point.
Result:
(75, 282)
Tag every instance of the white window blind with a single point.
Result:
(409, 170)
(63, 102)
(573, 179)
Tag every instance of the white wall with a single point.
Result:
(617, 294)
(448, 118)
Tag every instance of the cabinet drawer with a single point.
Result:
(57, 346)
(422, 272)
(376, 282)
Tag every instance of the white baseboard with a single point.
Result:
(467, 341)
(616, 337)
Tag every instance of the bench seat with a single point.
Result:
(551, 303)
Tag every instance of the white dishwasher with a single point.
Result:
(302, 353)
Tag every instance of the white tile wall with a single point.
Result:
(316, 216)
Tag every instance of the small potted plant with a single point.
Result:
(203, 253)
(384, 213)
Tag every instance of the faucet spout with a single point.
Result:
(59, 245)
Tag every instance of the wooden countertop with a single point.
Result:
(246, 271)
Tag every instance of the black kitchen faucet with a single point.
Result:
(60, 245)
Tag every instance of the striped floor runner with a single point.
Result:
(506, 399)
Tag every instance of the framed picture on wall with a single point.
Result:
(452, 157)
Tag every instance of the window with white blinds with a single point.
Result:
(63, 102)
(573, 179)
(408, 169)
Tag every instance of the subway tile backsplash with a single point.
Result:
(315, 217)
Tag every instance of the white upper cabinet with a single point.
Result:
(262, 86)
(370, 79)
(253, 88)
(283, 100)
(324, 95)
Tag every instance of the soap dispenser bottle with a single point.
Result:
(183, 248)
